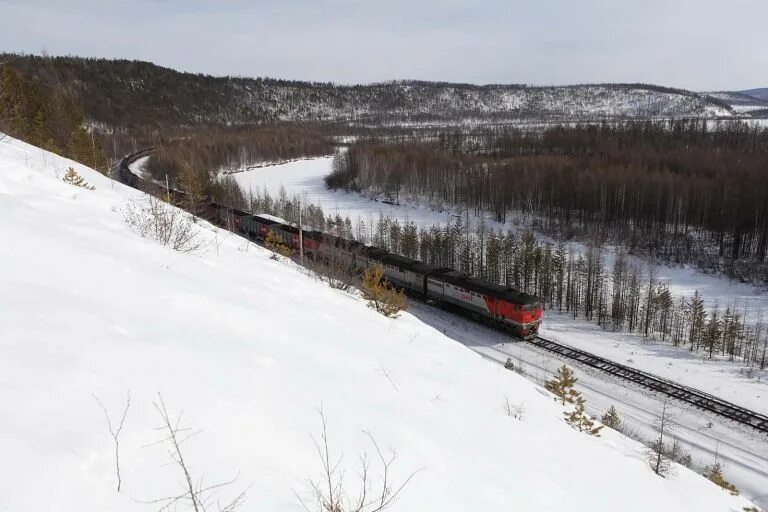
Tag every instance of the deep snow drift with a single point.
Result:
(249, 348)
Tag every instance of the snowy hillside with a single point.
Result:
(126, 93)
(739, 101)
(249, 348)
(406, 100)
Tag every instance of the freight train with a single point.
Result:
(513, 311)
(510, 309)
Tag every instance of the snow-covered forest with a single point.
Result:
(597, 284)
(100, 381)
(682, 193)
(129, 94)
(636, 213)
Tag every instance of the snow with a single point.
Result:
(742, 450)
(446, 102)
(721, 378)
(249, 348)
(138, 167)
(729, 381)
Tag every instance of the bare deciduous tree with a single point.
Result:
(661, 453)
(334, 266)
(330, 494)
(196, 495)
(114, 431)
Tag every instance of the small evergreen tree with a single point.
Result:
(578, 418)
(562, 385)
(381, 295)
(715, 474)
(274, 243)
(73, 178)
(509, 365)
(611, 419)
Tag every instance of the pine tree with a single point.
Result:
(562, 385)
(578, 418)
(274, 243)
(715, 474)
(611, 419)
(381, 295)
(73, 178)
(697, 320)
(712, 332)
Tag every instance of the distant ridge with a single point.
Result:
(760, 93)
(126, 93)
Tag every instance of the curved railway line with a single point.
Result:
(685, 394)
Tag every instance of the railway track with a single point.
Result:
(668, 388)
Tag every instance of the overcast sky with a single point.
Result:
(695, 44)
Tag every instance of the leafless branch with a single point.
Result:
(197, 495)
(330, 493)
(115, 432)
(514, 411)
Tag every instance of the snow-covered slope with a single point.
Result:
(761, 93)
(129, 93)
(420, 100)
(740, 101)
(249, 348)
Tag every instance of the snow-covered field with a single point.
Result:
(249, 348)
(721, 378)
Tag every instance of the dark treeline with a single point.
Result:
(675, 190)
(47, 116)
(129, 94)
(195, 162)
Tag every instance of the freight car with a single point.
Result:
(516, 312)
(512, 310)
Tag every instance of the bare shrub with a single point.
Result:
(196, 495)
(329, 492)
(514, 411)
(334, 266)
(168, 225)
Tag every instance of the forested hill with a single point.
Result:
(130, 93)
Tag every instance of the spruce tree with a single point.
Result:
(611, 419)
(697, 319)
